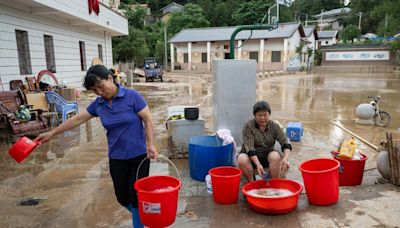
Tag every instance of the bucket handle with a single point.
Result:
(160, 155)
(341, 168)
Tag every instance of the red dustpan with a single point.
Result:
(22, 148)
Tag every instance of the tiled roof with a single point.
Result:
(327, 34)
(284, 30)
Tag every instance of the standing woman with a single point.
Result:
(122, 112)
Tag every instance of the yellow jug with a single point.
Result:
(348, 148)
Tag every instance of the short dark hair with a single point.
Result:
(94, 75)
(261, 106)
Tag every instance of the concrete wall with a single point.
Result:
(368, 63)
(66, 46)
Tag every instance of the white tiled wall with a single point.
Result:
(66, 46)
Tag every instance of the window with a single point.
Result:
(227, 55)
(276, 57)
(203, 57)
(24, 56)
(83, 55)
(185, 57)
(100, 48)
(226, 47)
(254, 55)
(49, 52)
(326, 42)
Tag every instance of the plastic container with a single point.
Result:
(321, 180)
(179, 133)
(273, 205)
(208, 183)
(207, 152)
(348, 148)
(158, 200)
(294, 131)
(22, 148)
(225, 184)
(351, 171)
(191, 113)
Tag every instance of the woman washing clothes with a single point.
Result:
(259, 136)
(126, 117)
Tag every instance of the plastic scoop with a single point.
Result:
(22, 148)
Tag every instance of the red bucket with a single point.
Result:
(321, 180)
(158, 200)
(351, 172)
(22, 148)
(273, 205)
(225, 182)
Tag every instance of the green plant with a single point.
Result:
(395, 48)
(317, 57)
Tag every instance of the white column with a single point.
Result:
(172, 56)
(190, 56)
(209, 55)
(285, 50)
(261, 55)
(239, 55)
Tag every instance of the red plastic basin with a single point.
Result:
(273, 205)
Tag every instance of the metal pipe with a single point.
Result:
(245, 27)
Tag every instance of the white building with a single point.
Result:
(274, 50)
(43, 34)
(327, 38)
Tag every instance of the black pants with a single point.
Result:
(123, 174)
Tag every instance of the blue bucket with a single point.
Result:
(207, 152)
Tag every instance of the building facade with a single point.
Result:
(195, 49)
(60, 35)
(327, 38)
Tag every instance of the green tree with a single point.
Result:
(388, 15)
(192, 16)
(251, 12)
(299, 50)
(350, 33)
(130, 48)
(309, 53)
(135, 17)
(395, 48)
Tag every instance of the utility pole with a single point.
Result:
(165, 49)
(320, 25)
(359, 20)
(386, 22)
(269, 13)
(277, 11)
(306, 18)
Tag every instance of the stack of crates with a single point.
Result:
(294, 131)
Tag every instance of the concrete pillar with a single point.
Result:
(232, 112)
(208, 55)
(285, 53)
(261, 55)
(190, 55)
(239, 55)
(172, 56)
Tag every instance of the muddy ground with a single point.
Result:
(69, 175)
